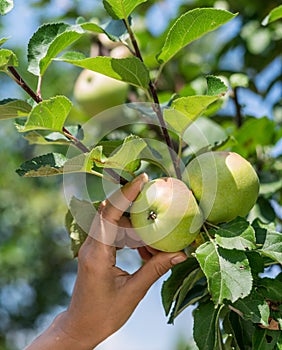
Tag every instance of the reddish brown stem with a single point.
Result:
(19, 80)
(156, 106)
(37, 98)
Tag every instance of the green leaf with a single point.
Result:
(185, 110)
(271, 289)
(216, 86)
(239, 80)
(175, 280)
(255, 132)
(272, 247)
(146, 109)
(256, 262)
(194, 295)
(254, 308)
(274, 15)
(269, 239)
(241, 330)
(7, 58)
(12, 108)
(231, 341)
(263, 210)
(114, 29)
(225, 270)
(83, 212)
(264, 339)
(77, 235)
(269, 188)
(121, 9)
(205, 326)
(78, 222)
(34, 138)
(48, 115)
(6, 6)
(191, 26)
(126, 157)
(130, 70)
(157, 153)
(45, 165)
(193, 288)
(54, 138)
(237, 234)
(47, 42)
(203, 133)
(3, 40)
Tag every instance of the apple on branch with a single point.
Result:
(166, 215)
(95, 92)
(224, 184)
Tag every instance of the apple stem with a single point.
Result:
(156, 105)
(12, 72)
(212, 225)
(152, 215)
(208, 235)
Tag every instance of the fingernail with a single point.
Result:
(141, 178)
(178, 259)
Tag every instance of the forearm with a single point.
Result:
(54, 338)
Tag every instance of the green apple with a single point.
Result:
(95, 92)
(224, 184)
(166, 215)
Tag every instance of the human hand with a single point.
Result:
(105, 296)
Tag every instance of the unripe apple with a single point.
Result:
(166, 215)
(224, 184)
(96, 92)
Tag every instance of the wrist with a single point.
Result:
(57, 338)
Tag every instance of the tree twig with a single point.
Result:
(37, 98)
(156, 105)
(239, 117)
(19, 80)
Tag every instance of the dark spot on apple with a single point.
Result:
(152, 215)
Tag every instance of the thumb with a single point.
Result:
(156, 267)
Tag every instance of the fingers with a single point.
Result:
(144, 253)
(105, 227)
(115, 205)
(153, 269)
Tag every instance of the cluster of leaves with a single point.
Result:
(239, 308)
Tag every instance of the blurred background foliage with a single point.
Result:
(35, 260)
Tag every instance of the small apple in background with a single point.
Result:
(166, 215)
(95, 92)
(224, 184)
